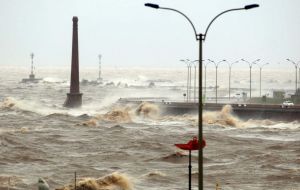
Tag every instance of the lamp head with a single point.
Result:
(251, 6)
(155, 6)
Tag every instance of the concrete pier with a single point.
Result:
(74, 98)
(244, 111)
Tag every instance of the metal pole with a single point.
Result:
(260, 81)
(75, 181)
(229, 80)
(99, 56)
(190, 83)
(190, 170)
(296, 66)
(195, 78)
(200, 135)
(296, 78)
(205, 81)
(250, 80)
(187, 84)
(216, 84)
(8, 183)
(31, 55)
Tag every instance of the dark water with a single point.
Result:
(40, 138)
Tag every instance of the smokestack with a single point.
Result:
(74, 98)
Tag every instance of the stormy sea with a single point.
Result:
(116, 146)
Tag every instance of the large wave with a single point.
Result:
(223, 118)
(126, 114)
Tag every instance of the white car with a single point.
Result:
(286, 104)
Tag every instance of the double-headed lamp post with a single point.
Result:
(296, 66)
(216, 65)
(260, 68)
(250, 66)
(229, 80)
(201, 38)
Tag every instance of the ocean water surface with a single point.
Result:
(41, 138)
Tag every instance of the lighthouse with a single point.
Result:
(74, 97)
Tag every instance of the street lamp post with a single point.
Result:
(201, 38)
(99, 74)
(260, 68)
(296, 68)
(205, 66)
(250, 66)
(195, 78)
(188, 64)
(216, 65)
(229, 80)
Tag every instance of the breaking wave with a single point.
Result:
(114, 181)
(9, 181)
(125, 114)
(12, 104)
(222, 118)
(155, 174)
(147, 110)
(226, 118)
(8, 103)
(119, 115)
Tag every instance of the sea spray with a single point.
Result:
(114, 181)
(147, 110)
(223, 118)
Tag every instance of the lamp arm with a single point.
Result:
(217, 17)
(196, 35)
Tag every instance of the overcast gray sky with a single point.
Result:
(128, 34)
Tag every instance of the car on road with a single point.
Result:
(287, 104)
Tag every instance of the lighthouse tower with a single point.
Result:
(74, 98)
